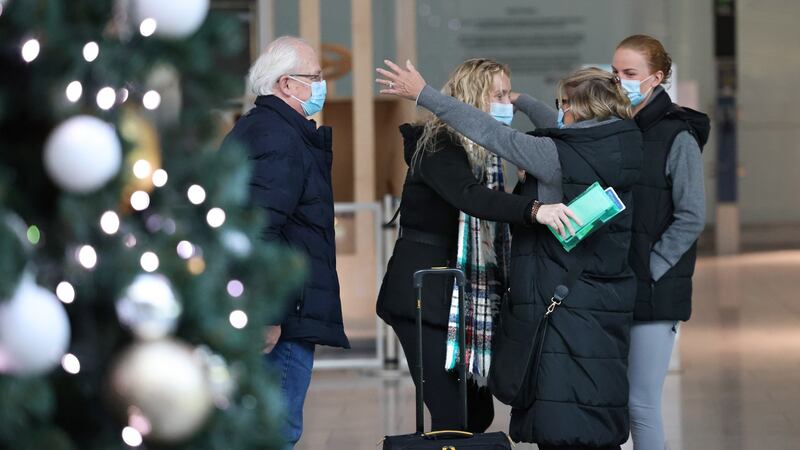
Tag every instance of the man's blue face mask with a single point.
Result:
(314, 103)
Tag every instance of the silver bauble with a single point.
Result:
(149, 307)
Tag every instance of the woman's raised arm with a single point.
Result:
(537, 155)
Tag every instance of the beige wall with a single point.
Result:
(768, 62)
(769, 126)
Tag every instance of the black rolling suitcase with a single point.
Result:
(445, 439)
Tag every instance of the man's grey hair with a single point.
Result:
(280, 58)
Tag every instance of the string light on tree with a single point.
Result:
(185, 249)
(33, 234)
(106, 98)
(148, 27)
(154, 223)
(87, 257)
(65, 292)
(151, 100)
(74, 91)
(149, 261)
(130, 241)
(235, 288)
(131, 437)
(109, 222)
(160, 178)
(140, 200)
(215, 217)
(91, 51)
(196, 194)
(123, 95)
(71, 364)
(238, 319)
(30, 50)
(142, 169)
(196, 265)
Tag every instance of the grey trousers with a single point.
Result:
(648, 361)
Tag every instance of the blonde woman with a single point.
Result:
(573, 394)
(453, 202)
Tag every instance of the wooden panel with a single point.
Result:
(310, 23)
(405, 30)
(387, 148)
(339, 116)
(311, 31)
(363, 115)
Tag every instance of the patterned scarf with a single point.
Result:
(483, 254)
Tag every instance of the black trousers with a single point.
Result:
(441, 388)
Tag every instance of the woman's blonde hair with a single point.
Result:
(470, 82)
(594, 94)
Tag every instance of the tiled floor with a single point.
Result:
(738, 385)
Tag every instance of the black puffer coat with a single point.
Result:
(291, 180)
(441, 185)
(581, 398)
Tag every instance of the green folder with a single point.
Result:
(594, 207)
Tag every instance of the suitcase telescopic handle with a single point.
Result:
(420, 274)
(462, 339)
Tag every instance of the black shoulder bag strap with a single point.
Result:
(583, 253)
(390, 223)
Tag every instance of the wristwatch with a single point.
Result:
(534, 210)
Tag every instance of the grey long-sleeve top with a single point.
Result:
(537, 155)
(684, 170)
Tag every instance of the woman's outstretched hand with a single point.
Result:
(406, 83)
(557, 216)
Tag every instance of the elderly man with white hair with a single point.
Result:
(291, 180)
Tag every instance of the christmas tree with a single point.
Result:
(133, 283)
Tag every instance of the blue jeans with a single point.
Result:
(292, 361)
(648, 361)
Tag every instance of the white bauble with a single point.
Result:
(166, 384)
(34, 330)
(149, 307)
(82, 154)
(174, 18)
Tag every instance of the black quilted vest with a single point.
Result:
(671, 297)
